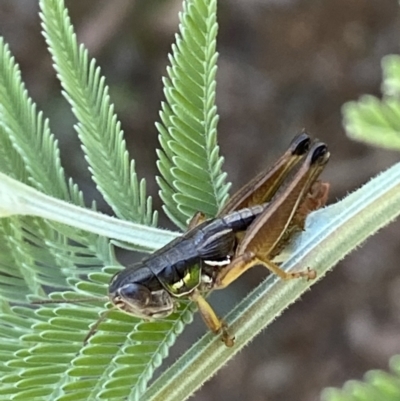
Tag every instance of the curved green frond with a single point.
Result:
(373, 120)
(14, 323)
(35, 253)
(377, 385)
(30, 154)
(11, 162)
(28, 132)
(98, 127)
(189, 162)
(25, 263)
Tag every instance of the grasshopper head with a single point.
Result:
(137, 299)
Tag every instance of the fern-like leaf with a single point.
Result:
(98, 128)
(189, 162)
(117, 362)
(121, 358)
(35, 253)
(30, 154)
(28, 132)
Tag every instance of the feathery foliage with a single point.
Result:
(189, 162)
(121, 358)
(98, 128)
(35, 253)
(20, 129)
(42, 356)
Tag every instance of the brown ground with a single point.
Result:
(283, 65)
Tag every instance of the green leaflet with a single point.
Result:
(191, 176)
(373, 120)
(98, 128)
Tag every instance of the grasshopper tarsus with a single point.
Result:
(228, 340)
(312, 274)
(309, 274)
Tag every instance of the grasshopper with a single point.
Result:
(251, 229)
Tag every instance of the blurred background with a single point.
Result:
(284, 65)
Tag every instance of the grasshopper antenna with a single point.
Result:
(68, 301)
(94, 328)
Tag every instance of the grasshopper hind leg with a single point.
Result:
(272, 229)
(248, 260)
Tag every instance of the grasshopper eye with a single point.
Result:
(134, 294)
(139, 301)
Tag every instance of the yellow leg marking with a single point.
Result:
(212, 321)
